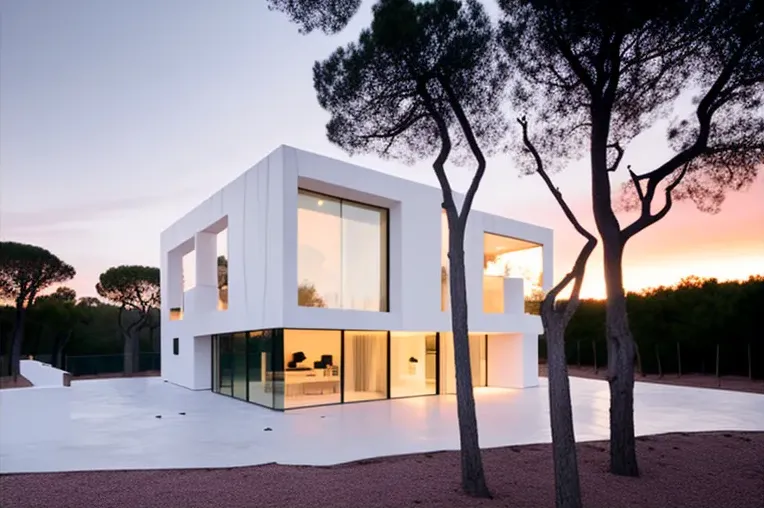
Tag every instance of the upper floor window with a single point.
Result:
(342, 252)
(510, 257)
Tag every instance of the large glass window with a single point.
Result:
(239, 363)
(312, 369)
(341, 254)
(365, 366)
(225, 365)
(413, 364)
(505, 257)
(260, 368)
(478, 364)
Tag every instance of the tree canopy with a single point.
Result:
(131, 287)
(593, 74)
(329, 16)
(416, 59)
(26, 270)
(62, 294)
(596, 73)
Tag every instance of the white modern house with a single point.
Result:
(337, 289)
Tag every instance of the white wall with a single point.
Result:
(41, 374)
(261, 212)
(513, 360)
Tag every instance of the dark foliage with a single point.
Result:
(135, 289)
(697, 314)
(596, 73)
(329, 16)
(25, 271)
(373, 88)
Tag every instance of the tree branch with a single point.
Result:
(474, 146)
(646, 218)
(579, 267)
(707, 106)
(618, 157)
(548, 181)
(637, 185)
(445, 146)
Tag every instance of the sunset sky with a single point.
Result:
(116, 118)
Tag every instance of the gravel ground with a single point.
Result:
(11, 382)
(735, 383)
(705, 470)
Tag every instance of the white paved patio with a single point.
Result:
(114, 425)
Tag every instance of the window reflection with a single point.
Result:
(312, 367)
(365, 366)
(342, 254)
(505, 257)
(259, 360)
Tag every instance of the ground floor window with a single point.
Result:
(284, 369)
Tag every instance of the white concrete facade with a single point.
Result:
(259, 210)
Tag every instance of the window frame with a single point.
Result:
(385, 265)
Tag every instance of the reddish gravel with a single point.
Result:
(710, 470)
(734, 383)
(11, 382)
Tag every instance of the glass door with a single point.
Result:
(239, 365)
(225, 369)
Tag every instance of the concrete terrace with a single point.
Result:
(113, 425)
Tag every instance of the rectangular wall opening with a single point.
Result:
(222, 267)
(179, 264)
(506, 257)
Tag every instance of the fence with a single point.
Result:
(93, 365)
(672, 358)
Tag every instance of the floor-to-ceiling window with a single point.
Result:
(342, 253)
(247, 366)
(312, 367)
(225, 365)
(478, 361)
(413, 364)
(478, 364)
(365, 366)
(239, 364)
(286, 369)
(260, 368)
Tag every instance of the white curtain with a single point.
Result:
(369, 363)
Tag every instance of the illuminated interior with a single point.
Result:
(285, 369)
(505, 257)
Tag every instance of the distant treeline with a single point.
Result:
(689, 322)
(57, 327)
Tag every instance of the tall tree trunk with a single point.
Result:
(621, 355)
(129, 353)
(17, 339)
(62, 339)
(567, 485)
(473, 475)
(137, 351)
